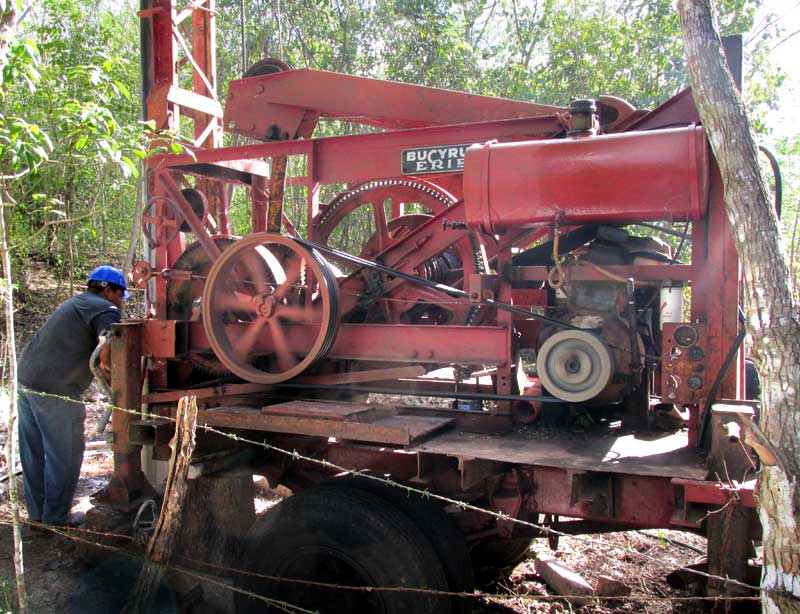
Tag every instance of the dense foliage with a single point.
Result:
(544, 50)
(73, 123)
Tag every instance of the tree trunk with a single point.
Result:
(771, 312)
(8, 27)
(162, 543)
(6, 290)
(218, 512)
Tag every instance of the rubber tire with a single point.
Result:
(441, 532)
(371, 535)
(493, 556)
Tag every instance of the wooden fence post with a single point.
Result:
(162, 543)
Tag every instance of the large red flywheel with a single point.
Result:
(270, 308)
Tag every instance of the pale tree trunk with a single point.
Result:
(11, 449)
(771, 312)
(8, 26)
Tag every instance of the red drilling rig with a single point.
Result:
(501, 254)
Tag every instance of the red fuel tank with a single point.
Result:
(635, 176)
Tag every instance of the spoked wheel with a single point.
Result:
(357, 221)
(396, 229)
(346, 537)
(360, 222)
(161, 221)
(270, 308)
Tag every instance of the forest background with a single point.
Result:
(72, 139)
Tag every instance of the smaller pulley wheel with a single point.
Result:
(574, 365)
(141, 272)
(161, 221)
(270, 308)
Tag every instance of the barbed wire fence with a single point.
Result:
(74, 534)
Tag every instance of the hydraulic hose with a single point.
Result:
(94, 366)
(712, 393)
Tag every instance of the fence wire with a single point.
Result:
(463, 505)
(72, 534)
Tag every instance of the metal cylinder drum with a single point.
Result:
(575, 365)
(635, 176)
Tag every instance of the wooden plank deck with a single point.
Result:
(367, 423)
(647, 454)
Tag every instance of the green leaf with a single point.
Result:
(121, 87)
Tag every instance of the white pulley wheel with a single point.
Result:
(574, 365)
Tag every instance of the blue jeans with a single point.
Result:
(51, 450)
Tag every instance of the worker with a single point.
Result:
(53, 374)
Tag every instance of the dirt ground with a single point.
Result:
(57, 573)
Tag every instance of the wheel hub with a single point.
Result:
(266, 309)
(575, 365)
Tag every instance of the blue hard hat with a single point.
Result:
(104, 275)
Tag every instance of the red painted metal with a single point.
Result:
(635, 501)
(409, 344)
(716, 493)
(657, 175)
(272, 106)
(641, 272)
(363, 157)
(514, 190)
(128, 485)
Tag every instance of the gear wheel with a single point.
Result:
(363, 212)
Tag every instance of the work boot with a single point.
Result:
(76, 519)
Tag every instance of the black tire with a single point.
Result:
(493, 556)
(341, 535)
(441, 532)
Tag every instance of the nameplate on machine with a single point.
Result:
(437, 159)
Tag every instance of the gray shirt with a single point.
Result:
(56, 359)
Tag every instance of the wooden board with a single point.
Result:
(317, 409)
(656, 455)
(383, 426)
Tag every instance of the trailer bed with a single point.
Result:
(611, 450)
(646, 454)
